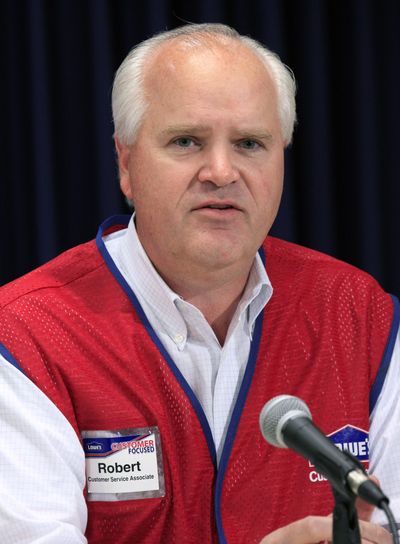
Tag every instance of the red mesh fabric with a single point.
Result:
(91, 355)
(325, 331)
(76, 335)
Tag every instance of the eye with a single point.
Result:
(249, 145)
(184, 142)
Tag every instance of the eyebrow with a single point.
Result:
(184, 129)
(259, 135)
(193, 129)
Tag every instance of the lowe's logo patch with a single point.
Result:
(347, 438)
(93, 447)
(354, 440)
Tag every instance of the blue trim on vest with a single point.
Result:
(235, 418)
(112, 221)
(387, 356)
(8, 357)
(124, 220)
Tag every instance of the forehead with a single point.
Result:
(223, 75)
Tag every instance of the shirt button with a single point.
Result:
(179, 338)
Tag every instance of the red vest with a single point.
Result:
(78, 332)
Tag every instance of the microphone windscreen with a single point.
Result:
(276, 412)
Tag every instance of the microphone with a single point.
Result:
(285, 422)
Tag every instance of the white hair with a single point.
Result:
(128, 97)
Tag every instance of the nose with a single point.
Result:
(218, 168)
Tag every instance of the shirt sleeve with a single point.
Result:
(385, 437)
(42, 467)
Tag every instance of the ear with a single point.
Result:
(123, 155)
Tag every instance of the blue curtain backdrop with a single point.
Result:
(58, 178)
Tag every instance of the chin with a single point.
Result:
(219, 254)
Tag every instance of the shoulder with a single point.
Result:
(282, 255)
(322, 281)
(60, 273)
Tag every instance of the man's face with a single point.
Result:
(205, 172)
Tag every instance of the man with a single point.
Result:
(157, 349)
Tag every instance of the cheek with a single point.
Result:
(267, 197)
(142, 181)
(153, 200)
(274, 181)
(269, 190)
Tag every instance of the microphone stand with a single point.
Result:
(345, 520)
(346, 529)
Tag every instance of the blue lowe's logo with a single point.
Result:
(347, 438)
(353, 440)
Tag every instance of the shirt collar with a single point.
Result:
(148, 285)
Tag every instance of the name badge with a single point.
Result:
(124, 464)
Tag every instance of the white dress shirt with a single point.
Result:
(214, 372)
(42, 464)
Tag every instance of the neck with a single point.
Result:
(215, 295)
(218, 311)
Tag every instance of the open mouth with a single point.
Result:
(218, 212)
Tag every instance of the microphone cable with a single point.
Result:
(392, 523)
